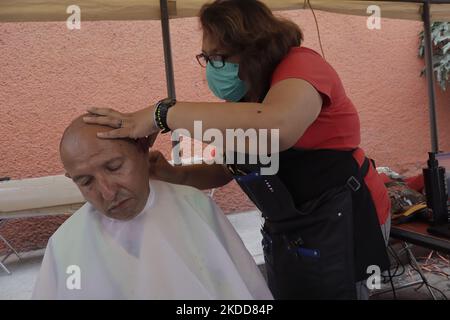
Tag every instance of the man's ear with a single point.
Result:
(147, 142)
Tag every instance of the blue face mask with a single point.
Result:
(225, 83)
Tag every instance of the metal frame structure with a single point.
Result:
(11, 251)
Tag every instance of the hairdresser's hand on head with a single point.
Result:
(127, 125)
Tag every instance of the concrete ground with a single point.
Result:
(20, 283)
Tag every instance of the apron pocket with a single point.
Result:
(269, 194)
(312, 255)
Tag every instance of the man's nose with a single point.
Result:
(106, 189)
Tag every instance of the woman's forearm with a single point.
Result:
(223, 116)
(203, 176)
(290, 107)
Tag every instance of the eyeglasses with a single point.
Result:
(216, 60)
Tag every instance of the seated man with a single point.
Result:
(137, 238)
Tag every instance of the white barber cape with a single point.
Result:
(181, 246)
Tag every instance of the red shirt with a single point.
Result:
(337, 126)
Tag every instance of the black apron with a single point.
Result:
(321, 229)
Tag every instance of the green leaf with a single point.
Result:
(445, 48)
(440, 38)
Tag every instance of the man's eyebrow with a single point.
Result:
(107, 163)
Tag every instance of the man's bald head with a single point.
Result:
(78, 129)
(112, 174)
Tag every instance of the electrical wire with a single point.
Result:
(425, 282)
(394, 255)
(397, 259)
(392, 284)
(317, 26)
(442, 293)
(386, 237)
(399, 262)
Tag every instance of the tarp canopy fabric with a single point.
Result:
(94, 10)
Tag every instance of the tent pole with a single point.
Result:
(430, 76)
(167, 49)
(168, 60)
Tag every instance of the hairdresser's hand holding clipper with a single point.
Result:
(324, 206)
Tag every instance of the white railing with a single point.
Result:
(49, 195)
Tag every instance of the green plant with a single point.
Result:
(440, 36)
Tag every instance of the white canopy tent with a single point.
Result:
(55, 10)
(94, 10)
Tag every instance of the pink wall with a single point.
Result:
(49, 75)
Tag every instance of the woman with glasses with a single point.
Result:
(324, 206)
